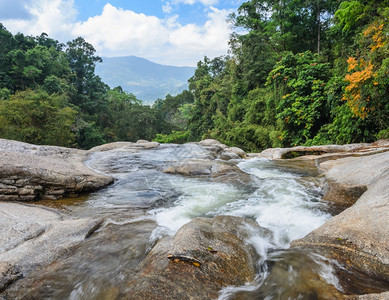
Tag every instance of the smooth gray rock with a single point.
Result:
(204, 256)
(237, 151)
(350, 149)
(359, 236)
(32, 236)
(212, 142)
(29, 172)
(217, 170)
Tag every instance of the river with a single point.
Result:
(145, 204)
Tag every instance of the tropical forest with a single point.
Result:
(298, 72)
(261, 173)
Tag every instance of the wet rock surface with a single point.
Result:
(201, 258)
(359, 236)
(33, 236)
(8, 275)
(215, 170)
(206, 254)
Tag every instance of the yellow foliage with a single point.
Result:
(352, 63)
(362, 72)
(357, 80)
(375, 32)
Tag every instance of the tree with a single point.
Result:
(303, 78)
(82, 62)
(38, 118)
(367, 78)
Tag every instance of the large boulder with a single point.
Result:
(29, 172)
(197, 167)
(348, 178)
(204, 256)
(324, 150)
(359, 236)
(32, 236)
(219, 171)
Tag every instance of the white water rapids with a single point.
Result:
(144, 204)
(276, 200)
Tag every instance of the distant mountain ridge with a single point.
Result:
(147, 80)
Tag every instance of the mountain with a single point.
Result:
(147, 80)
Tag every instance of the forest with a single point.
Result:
(49, 94)
(298, 72)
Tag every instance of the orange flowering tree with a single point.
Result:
(367, 80)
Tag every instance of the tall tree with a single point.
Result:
(82, 62)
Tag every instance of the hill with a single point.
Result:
(147, 80)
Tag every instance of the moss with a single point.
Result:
(294, 154)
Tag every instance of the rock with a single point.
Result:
(329, 160)
(343, 194)
(147, 145)
(218, 170)
(228, 155)
(359, 236)
(236, 151)
(381, 296)
(211, 142)
(212, 145)
(125, 146)
(204, 256)
(294, 274)
(32, 236)
(348, 178)
(29, 172)
(350, 149)
(8, 275)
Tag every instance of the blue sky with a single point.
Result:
(175, 32)
(187, 12)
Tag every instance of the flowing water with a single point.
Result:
(145, 204)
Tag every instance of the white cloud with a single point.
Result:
(55, 17)
(119, 32)
(167, 8)
(122, 32)
(191, 2)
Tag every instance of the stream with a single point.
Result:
(144, 204)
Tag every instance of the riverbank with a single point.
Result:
(354, 176)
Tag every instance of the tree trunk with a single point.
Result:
(318, 26)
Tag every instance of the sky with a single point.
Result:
(172, 32)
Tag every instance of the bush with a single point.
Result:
(176, 137)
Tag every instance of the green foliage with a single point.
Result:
(176, 109)
(38, 118)
(49, 94)
(302, 108)
(130, 120)
(274, 91)
(4, 93)
(176, 137)
(383, 134)
(349, 14)
(271, 91)
(88, 136)
(347, 128)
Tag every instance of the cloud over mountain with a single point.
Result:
(119, 32)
